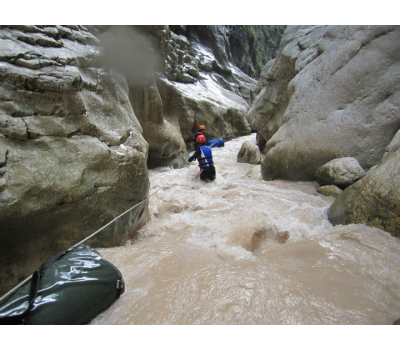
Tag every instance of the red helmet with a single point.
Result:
(201, 139)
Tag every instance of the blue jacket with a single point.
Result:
(204, 156)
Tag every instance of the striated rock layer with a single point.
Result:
(185, 79)
(72, 156)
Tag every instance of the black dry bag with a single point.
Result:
(69, 289)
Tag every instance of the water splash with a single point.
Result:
(241, 250)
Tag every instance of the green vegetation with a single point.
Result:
(274, 33)
(261, 43)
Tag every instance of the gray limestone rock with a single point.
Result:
(84, 110)
(341, 172)
(262, 82)
(393, 146)
(329, 191)
(332, 92)
(249, 153)
(374, 200)
(72, 154)
(190, 82)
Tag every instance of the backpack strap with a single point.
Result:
(33, 291)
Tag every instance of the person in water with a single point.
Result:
(200, 132)
(203, 154)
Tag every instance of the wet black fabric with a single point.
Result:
(207, 173)
(69, 289)
(195, 155)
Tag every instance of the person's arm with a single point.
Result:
(195, 155)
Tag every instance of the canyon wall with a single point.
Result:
(180, 77)
(85, 110)
(71, 148)
(334, 92)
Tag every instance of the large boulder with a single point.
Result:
(249, 153)
(333, 91)
(341, 172)
(72, 156)
(375, 199)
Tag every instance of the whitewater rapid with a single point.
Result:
(241, 250)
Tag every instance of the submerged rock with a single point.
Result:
(249, 153)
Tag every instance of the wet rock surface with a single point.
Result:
(332, 92)
(190, 77)
(85, 110)
(329, 190)
(72, 156)
(375, 199)
(341, 172)
(249, 153)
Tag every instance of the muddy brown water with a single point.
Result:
(243, 251)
